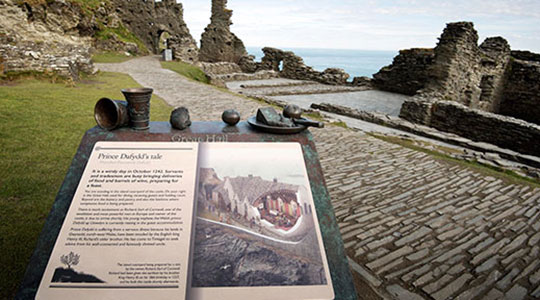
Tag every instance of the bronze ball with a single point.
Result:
(230, 116)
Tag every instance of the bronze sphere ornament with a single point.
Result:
(231, 117)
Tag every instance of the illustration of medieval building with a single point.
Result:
(254, 198)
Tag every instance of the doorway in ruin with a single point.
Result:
(163, 40)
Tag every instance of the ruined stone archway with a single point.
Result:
(163, 40)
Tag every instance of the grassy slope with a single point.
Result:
(42, 125)
(185, 69)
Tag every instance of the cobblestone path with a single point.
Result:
(414, 227)
(204, 102)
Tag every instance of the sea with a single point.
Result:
(355, 62)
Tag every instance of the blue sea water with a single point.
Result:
(354, 62)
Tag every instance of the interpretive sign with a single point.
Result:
(190, 220)
(127, 232)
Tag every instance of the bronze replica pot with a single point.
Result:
(111, 114)
(138, 107)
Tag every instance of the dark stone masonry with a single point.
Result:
(489, 77)
(522, 91)
(408, 72)
(508, 133)
(470, 90)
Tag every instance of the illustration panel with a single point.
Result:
(256, 223)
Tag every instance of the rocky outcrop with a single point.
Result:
(150, 21)
(293, 67)
(243, 261)
(50, 37)
(218, 43)
(58, 36)
(408, 72)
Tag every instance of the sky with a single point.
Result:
(283, 161)
(369, 25)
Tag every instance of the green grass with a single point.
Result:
(187, 70)
(110, 57)
(42, 125)
(122, 33)
(340, 124)
(89, 4)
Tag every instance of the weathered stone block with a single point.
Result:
(522, 91)
(408, 72)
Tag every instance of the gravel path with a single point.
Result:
(414, 226)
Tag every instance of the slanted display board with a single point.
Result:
(179, 216)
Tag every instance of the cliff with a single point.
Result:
(59, 35)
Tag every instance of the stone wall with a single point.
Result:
(218, 43)
(525, 55)
(522, 92)
(506, 132)
(494, 62)
(416, 110)
(489, 77)
(28, 56)
(272, 58)
(455, 70)
(220, 68)
(408, 72)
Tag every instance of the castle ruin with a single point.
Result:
(486, 93)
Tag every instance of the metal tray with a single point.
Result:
(274, 129)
